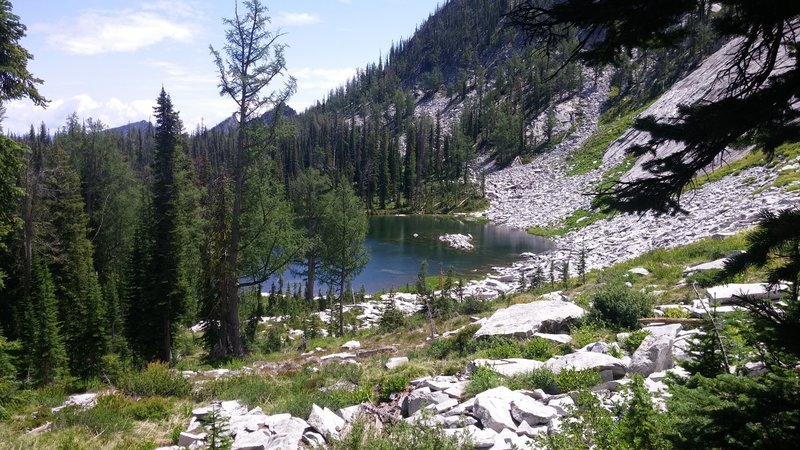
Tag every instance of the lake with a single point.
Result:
(398, 244)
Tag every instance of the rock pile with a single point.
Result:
(458, 241)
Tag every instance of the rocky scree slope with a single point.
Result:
(542, 194)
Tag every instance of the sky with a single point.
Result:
(108, 59)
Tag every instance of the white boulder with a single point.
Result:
(523, 320)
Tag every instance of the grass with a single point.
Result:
(575, 221)
(590, 156)
(783, 154)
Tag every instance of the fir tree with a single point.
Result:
(47, 355)
(77, 286)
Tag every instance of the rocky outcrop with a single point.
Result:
(523, 320)
(458, 241)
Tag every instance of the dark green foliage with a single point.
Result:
(392, 383)
(156, 304)
(47, 354)
(498, 347)
(539, 349)
(15, 79)
(473, 305)
(393, 318)
(344, 254)
(397, 436)
(78, 292)
(155, 380)
(542, 378)
(11, 164)
(569, 380)
(217, 438)
(774, 245)
(482, 379)
(634, 340)
(619, 306)
(735, 412)
(641, 425)
(705, 278)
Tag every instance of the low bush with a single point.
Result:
(483, 378)
(705, 278)
(676, 313)
(473, 305)
(569, 380)
(538, 348)
(155, 380)
(392, 383)
(397, 436)
(497, 347)
(151, 408)
(588, 333)
(617, 305)
(634, 340)
(542, 378)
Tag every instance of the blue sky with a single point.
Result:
(107, 59)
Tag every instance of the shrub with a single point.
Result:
(483, 378)
(619, 306)
(499, 347)
(542, 378)
(538, 348)
(392, 318)
(397, 436)
(472, 305)
(463, 344)
(705, 278)
(393, 382)
(464, 341)
(569, 380)
(634, 340)
(152, 408)
(586, 334)
(155, 380)
(676, 313)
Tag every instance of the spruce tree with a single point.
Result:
(163, 247)
(48, 355)
(77, 286)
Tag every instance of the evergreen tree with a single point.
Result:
(344, 255)
(47, 355)
(253, 59)
(167, 284)
(77, 286)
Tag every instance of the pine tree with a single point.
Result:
(47, 355)
(77, 286)
(344, 254)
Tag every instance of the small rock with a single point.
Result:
(641, 271)
(351, 345)
(187, 439)
(393, 363)
(325, 421)
(526, 409)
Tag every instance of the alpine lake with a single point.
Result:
(398, 244)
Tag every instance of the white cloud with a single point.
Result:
(113, 112)
(289, 19)
(95, 32)
(315, 83)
